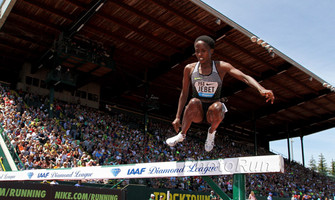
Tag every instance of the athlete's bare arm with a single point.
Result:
(224, 67)
(183, 94)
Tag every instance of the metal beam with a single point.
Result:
(229, 91)
(55, 28)
(302, 150)
(75, 27)
(14, 34)
(128, 26)
(278, 107)
(54, 11)
(166, 6)
(101, 32)
(308, 126)
(239, 187)
(268, 65)
(178, 58)
(23, 52)
(153, 20)
(216, 188)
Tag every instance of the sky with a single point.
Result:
(303, 30)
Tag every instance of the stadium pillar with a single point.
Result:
(239, 187)
(146, 99)
(288, 143)
(51, 95)
(302, 149)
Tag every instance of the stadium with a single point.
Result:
(89, 89)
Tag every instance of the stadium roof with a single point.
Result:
(151, 42)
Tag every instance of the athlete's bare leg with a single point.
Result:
(215, 115)
(193, 113)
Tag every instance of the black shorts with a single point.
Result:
(205, 107)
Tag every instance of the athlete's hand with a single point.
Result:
(268, 94)
(176, 124)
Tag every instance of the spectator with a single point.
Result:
(152, 197)
(78, 184)
(54, 182)
(212, 196)
(252, 196)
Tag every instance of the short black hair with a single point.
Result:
(208, 40)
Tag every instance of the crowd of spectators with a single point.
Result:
(79, 136)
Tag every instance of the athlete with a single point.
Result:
(205, 77)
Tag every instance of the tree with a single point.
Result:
(312, 164)
(332, 168)
(322, 166)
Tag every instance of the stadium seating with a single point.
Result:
(79, 136)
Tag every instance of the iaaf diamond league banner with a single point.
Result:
(241, 165)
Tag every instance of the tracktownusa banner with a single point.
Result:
(228, 166)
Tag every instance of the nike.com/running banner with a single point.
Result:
(241, 165)
(37, 191)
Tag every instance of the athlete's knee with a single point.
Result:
(194, 103)
(215, 112)
(215, 107)
(193, 110)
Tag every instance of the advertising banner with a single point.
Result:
(141, 192)
(241, 165)
(28, 191)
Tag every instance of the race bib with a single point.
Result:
(206, 89)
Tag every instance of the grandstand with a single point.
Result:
(87, 83)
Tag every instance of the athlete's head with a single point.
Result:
(204, 48)
(208, 40)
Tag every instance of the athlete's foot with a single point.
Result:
(172, 141)
(209, 144)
